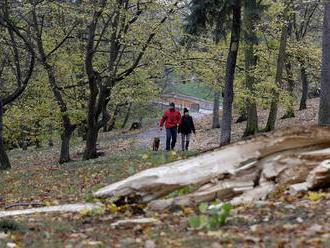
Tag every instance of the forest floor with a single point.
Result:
(281, 221)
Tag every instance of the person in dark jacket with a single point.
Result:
(186, 127)
(172, 119)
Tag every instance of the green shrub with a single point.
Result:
(11, 226)
(210, 217)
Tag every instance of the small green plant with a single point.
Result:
(12, 226)
(211, 217)
(86, 212)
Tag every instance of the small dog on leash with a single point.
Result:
(156, 143)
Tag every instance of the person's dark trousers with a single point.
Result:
(185, 141)
(171, 134)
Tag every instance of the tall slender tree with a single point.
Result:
(279, 70)
(4, 160)
(324, 111)
(216, 107)
(220, 17)
(290, 87)
(250, 21)
(230, 74)
(302, 26)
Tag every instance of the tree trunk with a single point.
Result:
(106, 123)
(66, 208)
(305, 85)
(230, 74)
(324, 112)
(252, 119)
(242, 115)
(66, 122)
(290, 111)
(114, 118)
(216, 106)
(91, 143)
(65, 145)
(95, 107)
(279, 75)
(4, 160)
(50, 138)
(92, 130)
(251, 18)
(127, 116)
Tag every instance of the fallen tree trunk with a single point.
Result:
(134, 222)
(285, 156)
(74, 208)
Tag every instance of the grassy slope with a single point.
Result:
(34, 180)
(193, 89)
(73, 182)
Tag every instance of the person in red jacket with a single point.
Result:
(172, 119)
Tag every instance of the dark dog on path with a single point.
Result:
(155, 145)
